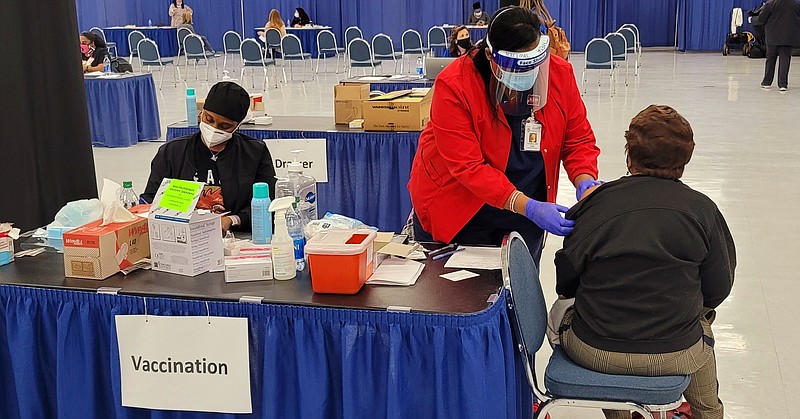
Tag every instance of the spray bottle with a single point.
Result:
(283, 263)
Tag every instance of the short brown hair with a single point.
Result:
(660, 142)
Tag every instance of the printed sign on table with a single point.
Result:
(196, 363)
(314, 157)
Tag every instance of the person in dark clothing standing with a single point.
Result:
(648, 261)
(781, 19)
(228, 163)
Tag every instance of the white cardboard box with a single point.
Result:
(184, 242)
(245, 268)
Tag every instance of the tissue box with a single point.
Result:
(256, 102)
(93, 251)
(6, 250)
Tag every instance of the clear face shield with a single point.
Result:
(521, 78)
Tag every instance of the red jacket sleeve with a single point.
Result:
(579, 152)
(458, 145)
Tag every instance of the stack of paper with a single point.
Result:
(396, 271)
(475, 258)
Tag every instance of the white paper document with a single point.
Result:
(396, 271)
(371, 78)
(459, 275)
(475, 258)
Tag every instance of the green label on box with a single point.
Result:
(179, 195)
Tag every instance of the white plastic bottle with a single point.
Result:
(305, 188)
(283, 263)
(106, 65)
(295, 226)
(260, 216)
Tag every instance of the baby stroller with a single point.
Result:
(759, 47)
(737, 41)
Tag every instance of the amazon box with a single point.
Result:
(93, 251)
(403, 110)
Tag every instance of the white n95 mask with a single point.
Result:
(212, 136)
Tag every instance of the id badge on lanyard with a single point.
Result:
(532, 132)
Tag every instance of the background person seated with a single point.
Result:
(187, 23)
(459, 42)
(301, 18)
(275, 21)
(228, 163)
(647, 262)
(93, 52)
(478, 16)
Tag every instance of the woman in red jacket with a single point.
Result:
(502, 119)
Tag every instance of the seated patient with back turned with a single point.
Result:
(229, 163)
(647, 263)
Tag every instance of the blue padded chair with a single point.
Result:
(598, 56)
(292, 50)
(437, 38)
(110, 45)
(360, 56)
(149, 56)
(635, 30)
(181, 34)
(569, 384)
(254, 56)
(273, 42)
(352, 33)
(619, 48)
(630, 43)
(232, 44)
(411, 42)
(194, 50)
(383, 50)
(327, 47)
(133, 41)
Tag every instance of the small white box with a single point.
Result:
(184, 242)
(245, 268)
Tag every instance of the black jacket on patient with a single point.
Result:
(645, 258)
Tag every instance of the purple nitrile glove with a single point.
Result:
(548, 216)
(585, 185)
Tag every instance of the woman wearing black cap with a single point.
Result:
(228, 162)
(478, 16)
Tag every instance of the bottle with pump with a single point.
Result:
(283, 262)
(260, 215)
(305, 188)
(127, 196)
(191, 108)
(295, 227)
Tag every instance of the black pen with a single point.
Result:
(442, 249)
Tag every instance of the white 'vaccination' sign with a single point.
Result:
(184, 363)
(314, 157)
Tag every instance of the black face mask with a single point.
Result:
(465, 43)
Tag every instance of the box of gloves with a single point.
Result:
(96, 251)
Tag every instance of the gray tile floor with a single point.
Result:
(745, 160)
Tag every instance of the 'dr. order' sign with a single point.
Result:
(314, 157)
(196, 363)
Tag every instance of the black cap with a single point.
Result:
(229, 100)
(476, 5)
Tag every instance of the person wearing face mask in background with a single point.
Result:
(300, 18)
(93, 52)
(478, 16)
(459, 41)
(229, 163)
(503, 116)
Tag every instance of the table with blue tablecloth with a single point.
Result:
(307, 36)
(450, 355)
(367, 171)
(164, 36)
(123, 110)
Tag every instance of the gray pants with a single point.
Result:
(785, 53)
(697, 361)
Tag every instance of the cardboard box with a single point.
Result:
(184, 242)
(245, 268)
(347, 101)
(256, 102)
(403, 110)
(351, 91)
(345, 111)
(93, 251)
